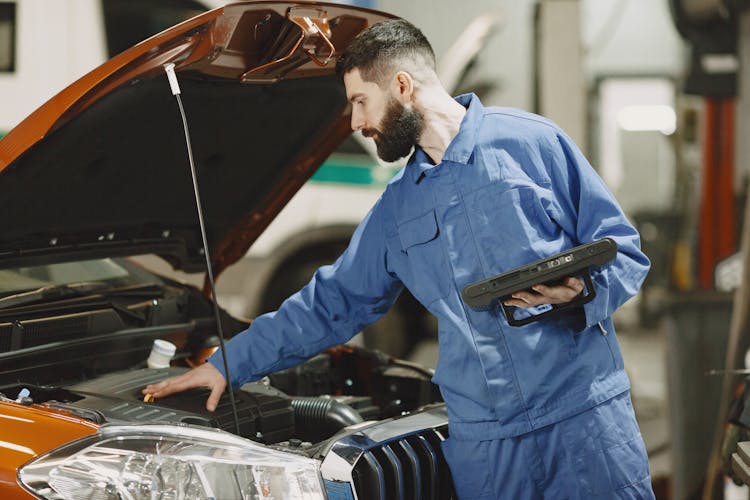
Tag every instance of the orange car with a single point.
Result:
(100, 173)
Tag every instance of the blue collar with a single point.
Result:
(461, 146)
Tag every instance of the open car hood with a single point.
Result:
(102, 169)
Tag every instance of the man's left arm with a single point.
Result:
(589, 212)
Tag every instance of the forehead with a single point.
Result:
(356, 86)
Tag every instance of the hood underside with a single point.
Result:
(102, 168)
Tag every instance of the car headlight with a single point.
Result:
(170, 463)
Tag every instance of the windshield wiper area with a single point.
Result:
(84, 288)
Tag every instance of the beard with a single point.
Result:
(399, 131)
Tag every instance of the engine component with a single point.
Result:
(264, 417)
(318, 418)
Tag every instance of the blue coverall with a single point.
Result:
(511, 188)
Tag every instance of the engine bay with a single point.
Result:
(294, 408)
(81, 349)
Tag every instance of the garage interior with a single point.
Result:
(657, 94)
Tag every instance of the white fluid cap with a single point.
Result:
(161, 353)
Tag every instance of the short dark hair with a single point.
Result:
(378, 48)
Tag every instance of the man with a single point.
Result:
(538, 411)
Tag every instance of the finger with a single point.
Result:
(213, 399)
(528, 298)
(516, 303)
(575, 284)
(569, 290)
(555, 294)
(160, 390)
(522, 299)
(559, 294)
(177, 384)
(151, 388)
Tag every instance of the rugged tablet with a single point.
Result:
(574, 262)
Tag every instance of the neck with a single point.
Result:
(442, 119)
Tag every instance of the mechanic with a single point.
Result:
(537, 411)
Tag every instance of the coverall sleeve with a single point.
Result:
(338, 302)
(590, 212)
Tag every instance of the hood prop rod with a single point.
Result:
(172, 77)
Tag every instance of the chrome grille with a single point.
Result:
(394, 459)
(409, 468)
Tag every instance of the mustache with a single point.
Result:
(369, 132)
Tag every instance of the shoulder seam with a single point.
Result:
(489, 111)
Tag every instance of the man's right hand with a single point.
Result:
(205, 375)
(568, 290)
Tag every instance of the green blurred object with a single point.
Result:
(697, 330)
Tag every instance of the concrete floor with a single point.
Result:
(644, 351)
(645, 354)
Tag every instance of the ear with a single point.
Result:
(402, 87)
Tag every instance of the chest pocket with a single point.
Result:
(428, 272)
(511, 226)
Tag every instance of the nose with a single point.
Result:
(358, 121)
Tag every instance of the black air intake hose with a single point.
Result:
(319, 418)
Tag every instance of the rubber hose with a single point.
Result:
(327, 415)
